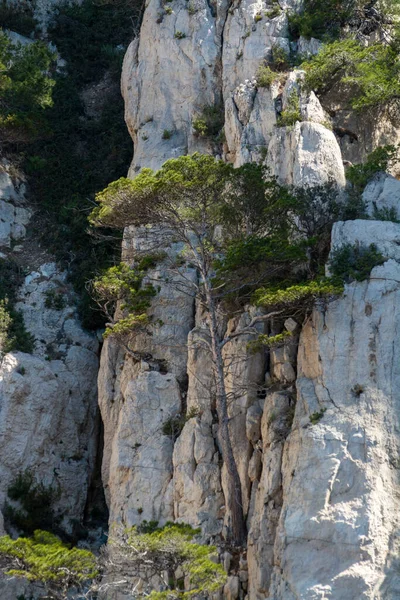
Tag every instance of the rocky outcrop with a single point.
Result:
(340, 479)
(48, 400)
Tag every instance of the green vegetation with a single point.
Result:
(13, 335)
(46, 559)
(121, 285)
(210, 121)
(354, 262)
(54, 300)
(179, 35)
(380, 160)
(167, 134)
(152, 551)
(297, 299)
(269, 341)
(265, 76)
(76, 154)
(173, 426)
(370, 74)
(317, 416)
(25, 89)
(18, 17)
(291, 114)
(257, 17)
(322, 19)
(32, 506)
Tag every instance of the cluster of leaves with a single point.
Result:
(13, 335)
(354, 262)
(299, 296)
(272, 70)
(291, 114)
(18, 17)
(32, 506)
(210, 121)
(322, 19)
(122, 286)
(380, 160)
(371, 74)
(152, 551)
(45, 558)
(173, 426)
(25, 89)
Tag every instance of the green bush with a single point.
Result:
(354, 262)
(265, 76)
(380, 160)
(18, 18)
(25, 89)
(173, 426)
(371, 74)
(322, 19)
(291, 114)
(33, 505)
(46, 559)
(13, 334)
(210, 121)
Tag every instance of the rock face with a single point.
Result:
(314, 422)
(48, 399)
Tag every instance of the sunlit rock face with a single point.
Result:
(48, 399)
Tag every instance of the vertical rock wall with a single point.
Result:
(315, 430)
(48, 399)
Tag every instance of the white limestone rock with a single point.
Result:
(382, 193)
(48, 425)
(340, 475)
(384, 234)
(138, 454)
(14, 213)
(306, 154)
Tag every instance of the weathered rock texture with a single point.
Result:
(48, 399)
(314, 423)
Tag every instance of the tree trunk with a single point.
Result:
(234, 500)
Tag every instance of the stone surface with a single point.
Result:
(382, 194)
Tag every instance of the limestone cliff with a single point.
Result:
(320, 493)
(314, 422)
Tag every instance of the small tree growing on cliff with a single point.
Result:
(216, 212)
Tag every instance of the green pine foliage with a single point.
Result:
(354, 262)
(291, 114)
(172, 547)
(44, 558)
(32, 505)
(26, 88)
(370, 74)
(297, 296)
(123, 286)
